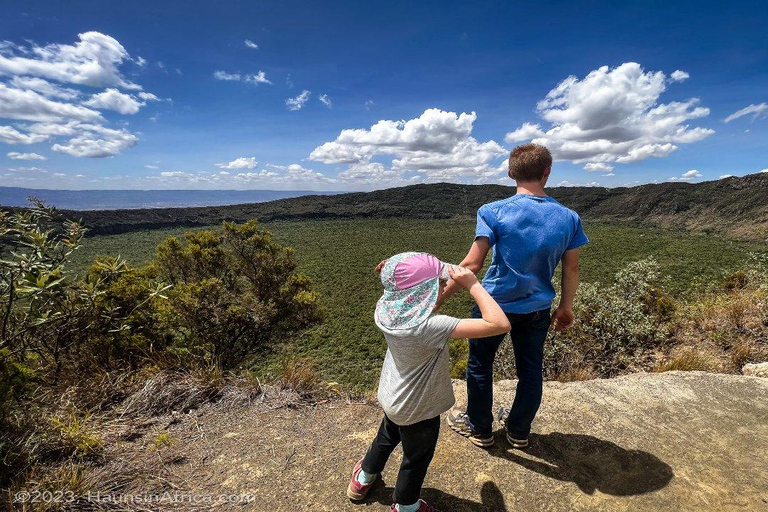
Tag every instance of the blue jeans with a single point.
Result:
(528, 332)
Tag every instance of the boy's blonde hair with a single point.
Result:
(529, 162)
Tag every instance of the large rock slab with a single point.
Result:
(756, 369)
(671, 441)
(675, 441)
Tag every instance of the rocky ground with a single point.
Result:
(672, 441)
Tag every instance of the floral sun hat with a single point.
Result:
(411, 285)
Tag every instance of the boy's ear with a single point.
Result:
(547, 172)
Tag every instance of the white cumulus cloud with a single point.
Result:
(614, 115)
(258, 78)
(679, 76)
(29, 105)
(240, 163)
(112, 99)
(10, 135)
(297, 174)
(289, 177)
(31, 91)
(325, 99)
(44, 87)
(687, 176)
(96, 141)
(437, 145)
(94, 61)
(566, 183)
(298, 102)
(251, 44)
(25, 156)
(592, 166)
(223, 75)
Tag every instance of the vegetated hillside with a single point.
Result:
(734, 206)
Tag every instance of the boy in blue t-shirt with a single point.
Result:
(529, 233)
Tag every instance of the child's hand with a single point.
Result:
(463, 276)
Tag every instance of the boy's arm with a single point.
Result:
(474, 261)
(563, 315)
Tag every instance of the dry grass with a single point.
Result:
(576, 373)
(731, 325)
(168, 391)
(299, 375)
(743, 354)
(688, 361)
(72, 482)
(68, 450)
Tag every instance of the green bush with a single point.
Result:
(232, 292)
(458, 352)
(204, 304)
(617, 326)
(736, 281)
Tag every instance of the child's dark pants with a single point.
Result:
(419, 441)
(528, 332)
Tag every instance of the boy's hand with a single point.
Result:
(562, 319)
(380, 266)
(462, 275)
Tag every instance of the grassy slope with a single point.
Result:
(340, 256)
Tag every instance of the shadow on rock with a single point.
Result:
(590, 463)
(491, 499)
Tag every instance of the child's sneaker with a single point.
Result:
(423, 507)
(357, 491)
(502, 415)
(459, 422)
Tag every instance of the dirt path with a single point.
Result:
(674, 441)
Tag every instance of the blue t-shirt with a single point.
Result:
(529, 235)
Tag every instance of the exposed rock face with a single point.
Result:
(756, 370)
(677, 441)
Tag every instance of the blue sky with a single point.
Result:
(195, 94)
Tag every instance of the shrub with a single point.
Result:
(34, 247)
(55, 327)
(233, 292)
(458, 352)
(736, 281)
(196, 311)
(130, 330)
(617, 326)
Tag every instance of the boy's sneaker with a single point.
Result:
(502, 415)
(423, 507)
(357, 491)
(517, 443)
(459, 422)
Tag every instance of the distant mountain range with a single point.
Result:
(141, 199)
(734, 206)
